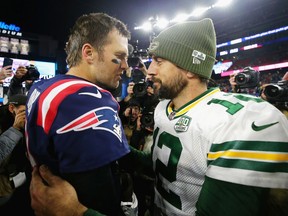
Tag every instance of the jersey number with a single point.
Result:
(168, 171)
(232, 108)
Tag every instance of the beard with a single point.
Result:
(173, 87)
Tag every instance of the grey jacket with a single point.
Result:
(8, 140)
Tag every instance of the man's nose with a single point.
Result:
(152, 69)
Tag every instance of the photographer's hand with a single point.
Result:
(130, 88)
(6, 72)
(129, 91)
(19, 121)
(138, 126)
(233, 82)
(127, 112)
(20, 72)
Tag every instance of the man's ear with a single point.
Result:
(10, 108)
(190, 75)
(88, 52)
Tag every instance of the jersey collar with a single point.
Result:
(171, 113)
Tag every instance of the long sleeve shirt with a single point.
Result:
(8, 141)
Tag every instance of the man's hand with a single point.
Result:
(130, 88)
(52, 195)
(19, 121)
(20, 72)
(6, 72)
(233, 82)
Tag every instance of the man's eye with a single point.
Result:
(122, 57)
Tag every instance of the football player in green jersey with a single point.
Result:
(214, 153)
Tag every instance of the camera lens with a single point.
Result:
(147, 120)
(272, 91)
(139, 89)
(241, 78)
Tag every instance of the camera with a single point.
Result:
(134, 62)
(134, 59)
(139, 89)
(147, 103)
(277, 92)
(249, 78)
(147, 118)
(32, 73)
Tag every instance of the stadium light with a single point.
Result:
(222, 3)
(180, 17)
(162, 23)
(199, 11)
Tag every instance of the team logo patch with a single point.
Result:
(104, 118)
(153, 46)
(182, 124)
(198, 57)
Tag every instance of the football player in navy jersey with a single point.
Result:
(72, 119)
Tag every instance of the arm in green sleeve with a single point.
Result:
(219, 198)
(143, 158)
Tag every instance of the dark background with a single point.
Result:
(54, 18)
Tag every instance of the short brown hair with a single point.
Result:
(91, 28)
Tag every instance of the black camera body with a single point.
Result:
(134, 59)
(32, 73)
(249, 78)
(277, 92)
(147, 103)
(134, 62)
(147, 118)
(140, 88)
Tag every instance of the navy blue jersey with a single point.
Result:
(73, 125)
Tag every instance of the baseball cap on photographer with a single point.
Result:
(190, 45)
(18, 99)
(134, 102)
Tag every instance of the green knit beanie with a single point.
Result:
(189, 45)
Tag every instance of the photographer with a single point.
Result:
(246, 81)
(15, 169)
(26, 74)
(137, 115)
(136, 72)
(142, 139)
(129, 117)
(140, 97)
(143, 177)
(277, 94)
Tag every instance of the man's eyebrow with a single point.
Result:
(121, 54)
